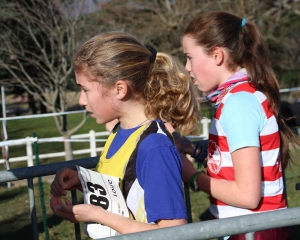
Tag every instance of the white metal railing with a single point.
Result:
(28, 141)
(90, 137)
(201, 230)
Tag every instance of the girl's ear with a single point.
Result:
(218, 54)
(121, 89)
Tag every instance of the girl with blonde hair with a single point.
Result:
(120, 78)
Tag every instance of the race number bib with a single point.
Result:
(101, 190)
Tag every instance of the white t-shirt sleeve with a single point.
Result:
(242, 120)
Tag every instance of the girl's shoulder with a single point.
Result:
(244, 91)
(242, 103)
(155, 140)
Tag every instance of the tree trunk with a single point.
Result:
(31, 103)
(43, 107)
(68, 147)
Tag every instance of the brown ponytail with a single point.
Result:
(246, 48)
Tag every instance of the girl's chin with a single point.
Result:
(99, 121)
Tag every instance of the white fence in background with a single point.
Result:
(28, 141)
(89, 137)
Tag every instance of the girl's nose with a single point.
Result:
(82, 99)
(188, 66)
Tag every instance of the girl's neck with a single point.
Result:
(135, 124)
(138, 125)
(133, 115)
(227, 74)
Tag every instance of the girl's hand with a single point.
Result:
(187, 168)
(56, 205)
(183, 144)
(74, 213)
(197, 150)
(65, 179)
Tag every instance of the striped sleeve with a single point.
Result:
(242, 120)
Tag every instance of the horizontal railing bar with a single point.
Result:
(46, 169)
(52, 155)
(201, 230)
(86, 135)
(221, 227)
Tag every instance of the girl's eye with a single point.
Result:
(83, 89)
(78, 89)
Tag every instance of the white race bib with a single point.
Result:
(101, 190)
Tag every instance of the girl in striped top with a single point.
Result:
(248, 145)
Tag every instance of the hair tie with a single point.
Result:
(243, 22)
(153, 53)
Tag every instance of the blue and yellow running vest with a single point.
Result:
(123, 165)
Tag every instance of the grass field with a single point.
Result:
(45, 128)
(14, 202)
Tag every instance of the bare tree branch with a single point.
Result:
(37, 46)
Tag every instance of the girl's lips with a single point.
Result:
(91, 113)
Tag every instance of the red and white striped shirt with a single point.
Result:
(220, 162)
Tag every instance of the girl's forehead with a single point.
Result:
(189, 44)
(86, 75)
(188, 41)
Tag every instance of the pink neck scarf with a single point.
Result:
(217, 95)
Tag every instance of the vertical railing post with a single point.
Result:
(76, 225)
(29, 152)
(4, 133)
(249, 236)
(93, 143)
(34, 225)
(205, 128)
(41, 189)
(188, 202)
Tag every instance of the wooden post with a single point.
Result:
(93, 143)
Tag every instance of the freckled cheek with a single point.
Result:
(199, 72)
(195, 69)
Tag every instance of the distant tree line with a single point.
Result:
(161, 23)
(38, 37)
